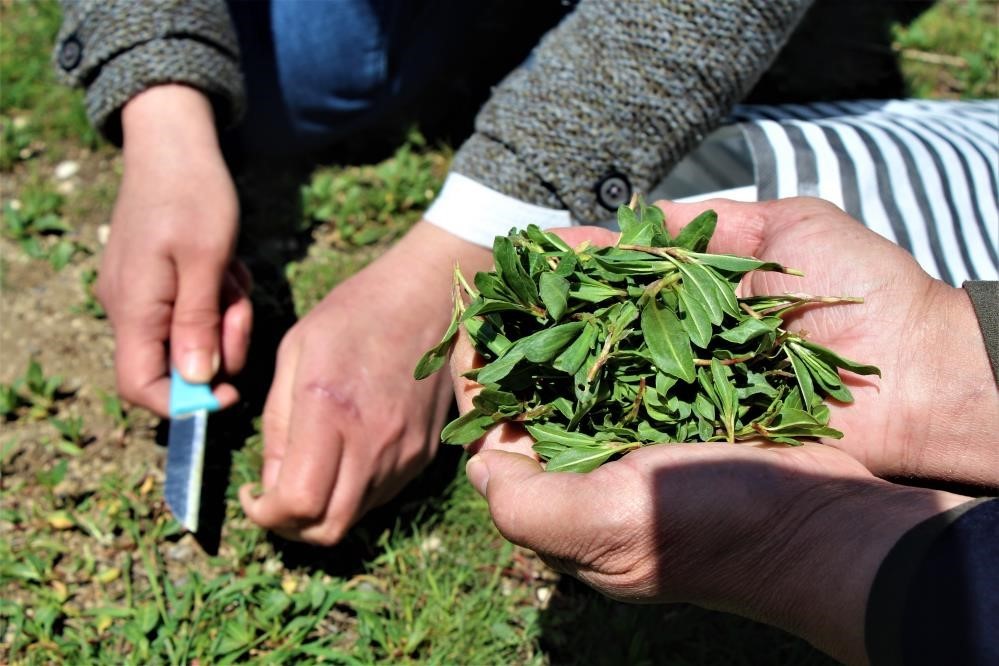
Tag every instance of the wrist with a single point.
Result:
(171, 117)
(953, 410)
(820, 579)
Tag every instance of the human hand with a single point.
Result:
(167, 274)
(934, 413)
(346, 425)
(788, 536)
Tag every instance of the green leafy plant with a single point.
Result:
(372, 204)
(35, 222)
(90, 306)
(599, 351)
(71, 434)
(33, 391)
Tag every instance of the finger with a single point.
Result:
(141, 325)
(741, 226)
(194, 332)
(276, 420)
(464, 358)
(237, 324)
(530, 507)
(141, 369)
(345, 507)
(308, 468)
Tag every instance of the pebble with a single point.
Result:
(182, 550)
(103, 234)
(431, 544)
(66, 169)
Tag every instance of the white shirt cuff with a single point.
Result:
(470, 210)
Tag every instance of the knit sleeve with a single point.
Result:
(984, 295)
(115, 49)
(616, 94)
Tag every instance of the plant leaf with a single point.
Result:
(573, 357)
(545, 345)
(696, 320)
(549, 432)
(467, 428)
(584, 458)
(698, 232)
(499, 368)
(667, 341)
(554, 290)
(834, 359)
(728, 398)
(750, 328)
(433, 360)
(512, 273)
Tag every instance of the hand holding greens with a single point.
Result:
(599, 351)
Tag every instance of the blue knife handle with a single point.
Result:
(186, 398)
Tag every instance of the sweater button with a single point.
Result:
(613, 191)
(70, 53)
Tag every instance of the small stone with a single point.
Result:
(272, 566)
(103, 234)
(60, 520)
(431, 544)
(66, 187)
(66, 169)
(544, 595)
(181, 551)
(15, 204)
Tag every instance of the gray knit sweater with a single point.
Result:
(612, 98)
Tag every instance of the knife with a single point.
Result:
(189, 408)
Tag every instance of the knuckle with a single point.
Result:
(326, 536)
(128, 388)
(197, 317)
(299, 503)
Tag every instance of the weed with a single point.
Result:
(371, 204)
(90, 305)
(32, 390)
(37, 113)
(93, 576)
(36, 223)
(952, 50)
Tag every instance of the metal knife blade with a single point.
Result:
(189, 408)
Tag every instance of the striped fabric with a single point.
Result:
(920, 173)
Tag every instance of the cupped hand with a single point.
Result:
(168, 280)
(346, 425)
(934, 413)
(787, 536)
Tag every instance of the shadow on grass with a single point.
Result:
(581, 626)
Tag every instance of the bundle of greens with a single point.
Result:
(599, 351)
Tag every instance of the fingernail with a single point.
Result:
(200, 365)
(477, 472)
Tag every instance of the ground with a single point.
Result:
(92, 567)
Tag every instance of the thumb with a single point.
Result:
(528, 505)
(194, 330)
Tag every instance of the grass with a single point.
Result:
(92, 567)
(951, 51)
